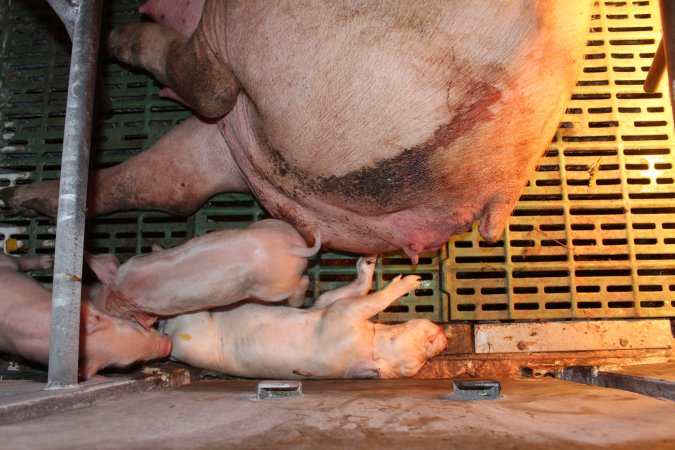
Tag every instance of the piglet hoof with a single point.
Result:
(365, 266)
(436, 344)
(405, 285)
(94, 378)
(44, 261)
(31, 200)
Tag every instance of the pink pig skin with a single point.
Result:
(265, 261)
(25, 315)
(385, 124)
(181, 15)
(333, 339)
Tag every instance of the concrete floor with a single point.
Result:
(396, 414)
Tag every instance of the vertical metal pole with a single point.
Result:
(667, 8)
(656, 70)
(68, 14)
(66, 294)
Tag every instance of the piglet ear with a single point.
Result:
(364, 369)
(145, 320)
(93, 320)
(104, 266)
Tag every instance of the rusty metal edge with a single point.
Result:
(510, 365)
(639, 384)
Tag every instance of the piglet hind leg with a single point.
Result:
(26, 263)
(189, 66)
(297, 298)
(37, 262)
(365, 268)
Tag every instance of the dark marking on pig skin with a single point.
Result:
(387, 182)
(467, 114)
(407, 176)
(395, 182)
(384, 183)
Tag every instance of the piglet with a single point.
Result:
(264, 261)
(25, 315)
(332, 339)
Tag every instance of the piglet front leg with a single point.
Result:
(363, 308)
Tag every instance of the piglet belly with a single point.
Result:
(194, 340)
(252, 340)
(268, 341)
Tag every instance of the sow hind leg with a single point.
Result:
(177, 175)
(194, 71)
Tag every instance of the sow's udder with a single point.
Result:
(368, 210)
(412, 191)
(393, 127)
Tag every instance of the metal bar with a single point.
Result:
(667, 8)
(655, 70)
(644, 385)
(67, 12)
(66, 294)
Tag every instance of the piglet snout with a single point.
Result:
(444, 339)
(164, 348)
(439, 343)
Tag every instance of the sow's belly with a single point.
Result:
(398, 127)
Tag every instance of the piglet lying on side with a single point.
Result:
(264, 261)
(25, 314)
(333, 339)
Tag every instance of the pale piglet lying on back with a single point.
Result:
(25, 314)
(333, 339)
(264, 261)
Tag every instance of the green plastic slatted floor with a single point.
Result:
(593, 234)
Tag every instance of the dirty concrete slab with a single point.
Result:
(22, 399)
(358, 414)
(14, 388)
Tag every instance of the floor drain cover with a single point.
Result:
(474, 390)
(279, 389)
